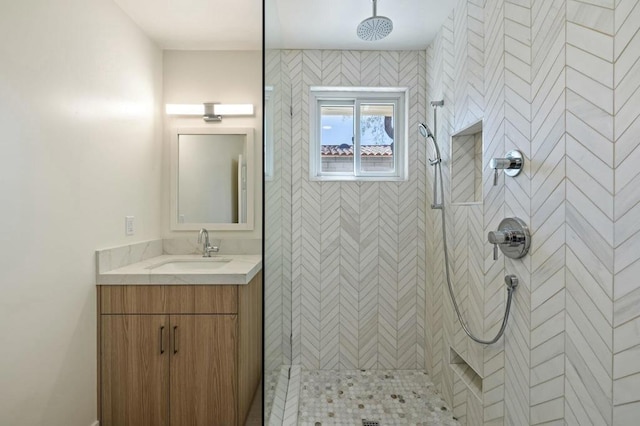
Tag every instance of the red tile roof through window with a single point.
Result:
(347, 150)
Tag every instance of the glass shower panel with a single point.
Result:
(277, 225)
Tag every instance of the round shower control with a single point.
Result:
(512, 237)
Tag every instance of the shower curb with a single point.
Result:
(276, 412)
(293, 397)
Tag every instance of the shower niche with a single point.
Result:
(466, 165)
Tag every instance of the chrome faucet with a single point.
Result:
(512, 165)
(512, 237)
(207, 248)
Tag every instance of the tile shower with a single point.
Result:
(347, 258)
(354, 271)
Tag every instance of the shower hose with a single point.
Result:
(510, 289)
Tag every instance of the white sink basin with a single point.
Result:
(190, 265)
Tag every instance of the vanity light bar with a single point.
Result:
(233, 109)
(209, 111)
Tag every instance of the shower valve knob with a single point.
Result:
(512, 165)
(502, 237)
(512, 237)
(505, 163)
(497, 237)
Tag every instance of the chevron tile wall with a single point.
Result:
(555, 79)
(547, 183)
(456, 74)
(493, 209)
(517, 203)
(560, 84)
(277, 259)
(434, 355)
(589, 215)
(626, 237)
(348, 259)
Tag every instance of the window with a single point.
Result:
(358, 133)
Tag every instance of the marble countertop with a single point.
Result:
(231, 269)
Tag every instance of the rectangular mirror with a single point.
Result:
(212, 179)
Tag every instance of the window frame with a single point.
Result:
(356, 96)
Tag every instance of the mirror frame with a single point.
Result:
(248, 132)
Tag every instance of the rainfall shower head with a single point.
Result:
(376, 27)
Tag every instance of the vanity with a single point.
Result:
(179, 339)
(179, 334)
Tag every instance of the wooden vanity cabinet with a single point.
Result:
(179, 355)
(135, 383)
(203, 370)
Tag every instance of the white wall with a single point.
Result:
(80, 90)
(192, 77)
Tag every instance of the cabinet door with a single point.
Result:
(135, 370)
(203, 370)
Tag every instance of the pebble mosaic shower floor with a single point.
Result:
(388, 397)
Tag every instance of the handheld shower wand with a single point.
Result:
(426, 132)
(510, 280)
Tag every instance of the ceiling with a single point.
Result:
(290, 24)
(199, 24)
(331, 24)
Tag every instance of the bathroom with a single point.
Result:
(354, 271)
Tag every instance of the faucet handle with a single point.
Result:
(495, 238)
(503, 163)
(498, 237)
(512, 165)
(512, 237)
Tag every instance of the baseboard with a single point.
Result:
(96, 423)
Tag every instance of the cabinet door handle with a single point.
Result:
(175, 339)
(161, 340)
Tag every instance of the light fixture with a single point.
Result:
(210, 111)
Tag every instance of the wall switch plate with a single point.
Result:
(129, 222)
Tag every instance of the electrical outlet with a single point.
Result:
(129, 222)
